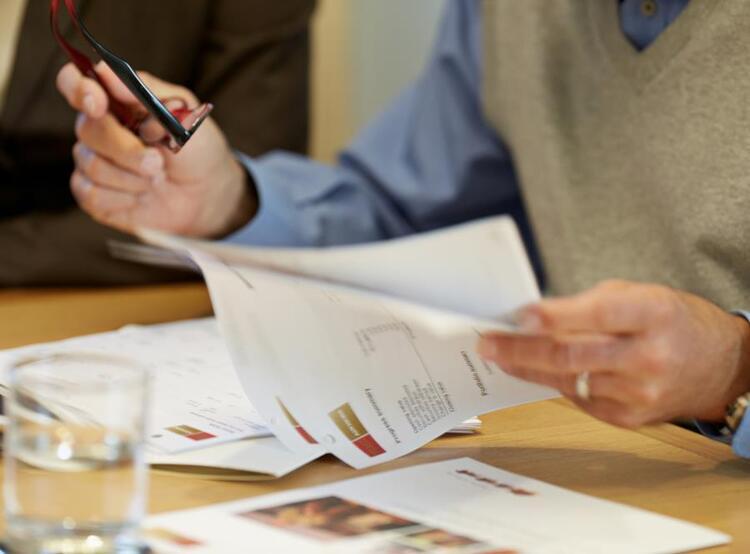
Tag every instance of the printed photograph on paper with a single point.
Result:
(328, 518)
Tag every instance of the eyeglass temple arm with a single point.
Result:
(124, 72)
(139, 89)
(122, 112)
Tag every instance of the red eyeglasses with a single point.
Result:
(179, 121)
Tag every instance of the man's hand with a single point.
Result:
(123, 183)
(653, 353)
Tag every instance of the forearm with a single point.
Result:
(303, 203)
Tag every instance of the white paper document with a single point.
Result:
(196, 398)
(199, 412)
(242, 460)
(368, 352)
(454, 507)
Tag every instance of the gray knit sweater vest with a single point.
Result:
(633, 165)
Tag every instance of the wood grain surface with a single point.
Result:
(664, 469)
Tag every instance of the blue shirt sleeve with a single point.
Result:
(428, 161)
(741, 442)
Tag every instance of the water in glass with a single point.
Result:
(75, 475)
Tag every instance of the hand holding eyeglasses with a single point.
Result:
(122, 182)
(177, 118)
(132, 126)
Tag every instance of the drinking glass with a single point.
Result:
(75, 471)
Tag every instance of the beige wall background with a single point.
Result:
(364, 53)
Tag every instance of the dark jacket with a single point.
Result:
(248, 57)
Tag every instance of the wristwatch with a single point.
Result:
(736, 411)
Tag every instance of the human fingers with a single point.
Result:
(610, 307)
(558, 354)
(613, 412)
(636, 394)
(88, 96)
(107, 206)
(83, 94)
(565, 384)
(612, 399)
(104, 173)
(109, 139)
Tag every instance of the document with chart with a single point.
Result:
(200, 421)
(368, 352)
(197, 399)
(457, 506)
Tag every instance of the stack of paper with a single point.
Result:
(368, 352)
(194, 386)
(200, 420)
(242, 460)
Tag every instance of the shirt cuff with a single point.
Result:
(274, 223)
(741, 442)
(713, 431)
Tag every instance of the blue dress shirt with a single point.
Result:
(428, 161)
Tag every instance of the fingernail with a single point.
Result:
(89, 105)
(151, 162)
(487, 348)
(84, 184)
(85, 154)
(158, 181)
(529, 322)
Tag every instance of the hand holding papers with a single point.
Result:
(368, 351)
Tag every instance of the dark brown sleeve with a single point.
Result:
(254, 67)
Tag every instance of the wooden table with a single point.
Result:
(665, 469)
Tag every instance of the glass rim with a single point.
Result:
(135, 373)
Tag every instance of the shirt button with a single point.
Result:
(648, 8)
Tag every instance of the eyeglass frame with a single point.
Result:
(170, 120)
